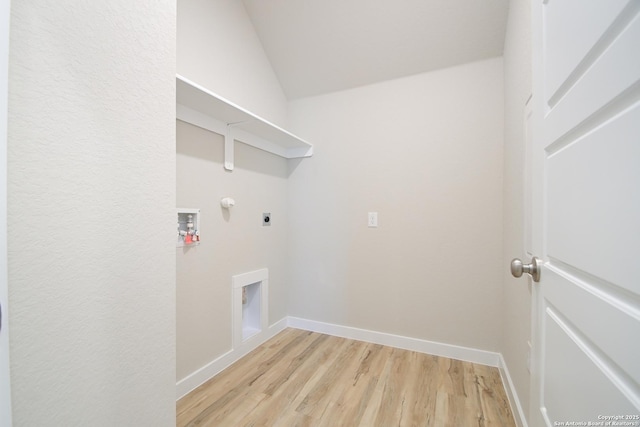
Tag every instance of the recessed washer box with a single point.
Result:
(183, 227)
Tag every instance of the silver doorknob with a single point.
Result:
(517, 268)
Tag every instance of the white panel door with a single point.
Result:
(5, 388)
(586, 212)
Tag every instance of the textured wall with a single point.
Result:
(218, 48)
(91, 194)
(517, 295)
(5, 392)
(425, 152)
(233, 240)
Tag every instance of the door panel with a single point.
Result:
(594, 202)
(598, 315)
(573, 28)
(586, 210)
(605, 80)
(575, 387)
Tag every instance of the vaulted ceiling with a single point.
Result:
(319, 46)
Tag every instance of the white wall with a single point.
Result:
(516, 318)
(5, 386)
(425, 152)
(218, 48)
(233, 240)
(91, 194)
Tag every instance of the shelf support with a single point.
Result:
(228, 148)
(203, 108)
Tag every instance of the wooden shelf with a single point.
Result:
(203, 108)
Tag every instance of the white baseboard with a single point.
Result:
(423, 346)
(512, 395)
(202, 375)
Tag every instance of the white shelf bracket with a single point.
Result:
(228, 148)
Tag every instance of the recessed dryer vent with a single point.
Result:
(250, 305)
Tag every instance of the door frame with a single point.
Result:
(5, 385)
(537, 210)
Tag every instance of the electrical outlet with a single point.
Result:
(372, 220)
(266, 219)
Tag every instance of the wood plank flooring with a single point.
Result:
(301, 378)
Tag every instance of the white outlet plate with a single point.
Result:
(372, 220)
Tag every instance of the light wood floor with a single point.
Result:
(301, 378)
